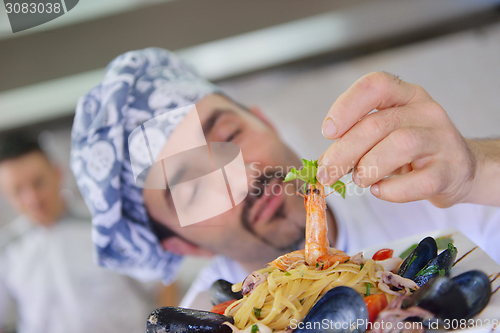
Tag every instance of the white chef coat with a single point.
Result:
(365, 221)
(57, 288)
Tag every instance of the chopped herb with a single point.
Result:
(361, 266)
(317, 264)
(412, 290)
(452, 249)
(407, 252)
(442, 272)
(308, 175)
(339, 187)
(413, 259)
(428, 270)
(288, 274)
(255, 328)
(368, 285)
(322, 266)
(301, 302)
(256, 312)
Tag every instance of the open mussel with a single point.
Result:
(441, 265)
(418, 258)
(179, 320)
(459, 298)
(338, 311)
(221, 292)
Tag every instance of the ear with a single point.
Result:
(179, 246)
(256, 111)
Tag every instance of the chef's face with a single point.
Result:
(271, 219)
(31, 184)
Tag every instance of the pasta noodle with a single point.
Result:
(287, 295)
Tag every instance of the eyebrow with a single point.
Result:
(209, 124)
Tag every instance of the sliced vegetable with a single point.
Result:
(375, 304)
(221, 308)
(383, 254)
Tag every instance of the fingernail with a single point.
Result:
(355, 178)
(322, 175)
(329, 129)
(375, 190)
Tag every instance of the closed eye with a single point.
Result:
(233, 135)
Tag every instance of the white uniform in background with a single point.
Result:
(57, 288)
(365, 221)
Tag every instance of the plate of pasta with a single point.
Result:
(440, 280)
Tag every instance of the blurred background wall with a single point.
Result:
(292, 58)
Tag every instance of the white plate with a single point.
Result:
(469, 257)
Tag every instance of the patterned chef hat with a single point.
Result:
(138, 86)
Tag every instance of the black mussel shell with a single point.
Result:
(476, 288)
(418, 258)
(441, 265)
(337, 311)
(462, 297)
(180, 320)
(441, 296)
(221, 292)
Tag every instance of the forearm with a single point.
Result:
(486, 183)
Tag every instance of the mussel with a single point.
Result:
(221, 292)
(441, 265)
(418, 258)
(179, 320)
(340, 310)
(459, 298)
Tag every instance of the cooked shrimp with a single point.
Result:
(289, 260)
(317, 251)
(316, 227)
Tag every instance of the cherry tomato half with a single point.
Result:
(383, 254)
(375, 303)
(221, 308)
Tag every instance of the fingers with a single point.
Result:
(373, 91)
(416, 185)
(403, 150)
(346, 152)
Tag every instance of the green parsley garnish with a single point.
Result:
(288, 274)
(361, 266)
(301, 302)
(368, 286)
(317, 264)
(256, 312)
(255, 328)
(308, 175)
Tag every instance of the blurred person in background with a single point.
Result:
(47, 273)
(411, 139)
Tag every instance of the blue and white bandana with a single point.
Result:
(138, 86)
